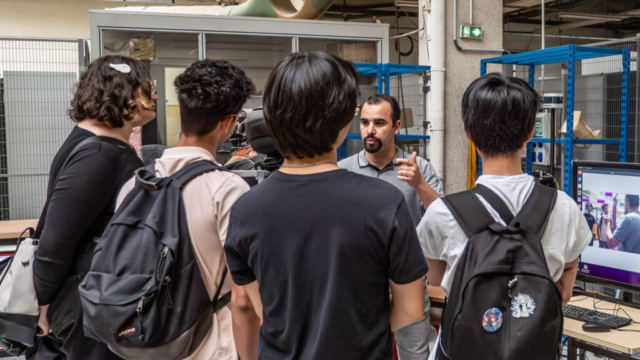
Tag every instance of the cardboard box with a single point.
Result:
(408, 114)
(363, 52)
(142, 49)
(580, 130)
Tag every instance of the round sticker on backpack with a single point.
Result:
(492, 320)
(522, 306)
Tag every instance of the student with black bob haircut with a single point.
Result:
(208, 91)
(305, 121)
(318, 247)
(499, 118)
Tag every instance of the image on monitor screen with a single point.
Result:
(608, 194)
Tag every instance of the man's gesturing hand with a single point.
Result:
(410, 172)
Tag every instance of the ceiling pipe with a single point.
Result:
(519, 33)
(434, 22)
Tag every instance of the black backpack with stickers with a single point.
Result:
(144, 295)
(503, 303)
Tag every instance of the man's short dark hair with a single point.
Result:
(605, 206)
(499, 113)
(308, 99)
(633, 200)
(393, 104)
(208, 91)
(108, 95)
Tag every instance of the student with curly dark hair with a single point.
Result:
(211, 94)
(112, 96)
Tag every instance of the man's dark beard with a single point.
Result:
(372, 149)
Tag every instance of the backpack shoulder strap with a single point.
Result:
(496, 203)
(469, 212)
(183, 176)
(534, 215)
(75, 150)
(220, 302)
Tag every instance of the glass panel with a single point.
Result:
(167, 55)
(256, 55)
(352, 50)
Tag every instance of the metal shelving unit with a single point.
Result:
(570, 54)
(384, 73)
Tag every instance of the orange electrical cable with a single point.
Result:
(472, 166)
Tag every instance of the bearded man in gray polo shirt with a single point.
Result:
(414, 176)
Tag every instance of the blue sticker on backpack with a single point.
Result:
(492, 320)
(522, 306)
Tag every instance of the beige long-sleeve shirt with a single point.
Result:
(208, 200)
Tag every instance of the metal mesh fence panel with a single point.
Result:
(605, 76)
(407, 89)
(36, 85)
(597, 100)
(610, 68)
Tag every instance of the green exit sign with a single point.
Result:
(470, 32)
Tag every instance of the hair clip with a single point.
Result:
(122, 68)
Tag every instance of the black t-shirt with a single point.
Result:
(590, 220)
(323, 248)
(76, 136)
(82, 204)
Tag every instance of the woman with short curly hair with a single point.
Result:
(112, 96)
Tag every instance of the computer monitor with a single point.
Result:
(600, 190)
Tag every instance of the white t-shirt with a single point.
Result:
(566, 236)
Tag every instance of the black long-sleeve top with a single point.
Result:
(81, 205)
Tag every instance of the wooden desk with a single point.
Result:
(623, 342)
(436, 295)
(12, 229)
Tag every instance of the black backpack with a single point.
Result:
(503, 303)
(144, 295)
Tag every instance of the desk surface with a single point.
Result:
(627, 342)
(12, 229)
(436, 295)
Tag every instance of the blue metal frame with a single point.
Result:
(570, 54)
(384, 72)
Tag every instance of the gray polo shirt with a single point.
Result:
(628, 232)
(359, 164)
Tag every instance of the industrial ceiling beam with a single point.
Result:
(596, 19)
(521, 5)
(572, 25)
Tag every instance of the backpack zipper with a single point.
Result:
(167, 280)
(507, 315)
(139, 311)
(163, 260)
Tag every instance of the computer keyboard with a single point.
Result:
(588, 315)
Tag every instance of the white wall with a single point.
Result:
(52, 19)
